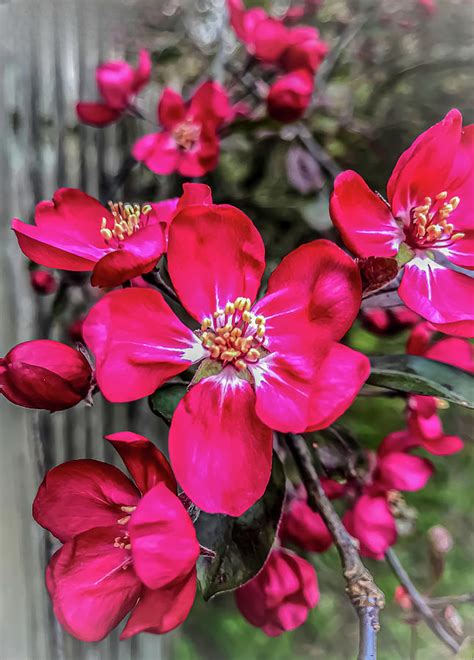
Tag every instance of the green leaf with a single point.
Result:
(241, 545)
(165, 400)
(418, 375)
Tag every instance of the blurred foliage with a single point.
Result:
(392, 72)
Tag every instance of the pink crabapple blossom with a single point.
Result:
(188, 142)
(75, 232)
(371, 519)
(271, 364)
(427, 221)
(128, 546)
(280, 597)
(118, 84)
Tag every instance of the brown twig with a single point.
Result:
(364, 594)
(442, 601)
(420, 603)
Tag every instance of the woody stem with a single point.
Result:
(420, 602)
(364, 594)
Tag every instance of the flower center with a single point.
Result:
(234, 335)
(186, 135)
(123, 541)
(127, 220)
(429, 226)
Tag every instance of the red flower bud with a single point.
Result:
(43, 282)
(290, 95)
(280, 596)
(44, 374)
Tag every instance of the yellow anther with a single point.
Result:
(239, 303)
(127, 547)
(253, 355)
(236, 333)
(428, 201)
(421, 219)
(458, 236)
(240, 365)
(260, 320)
(434, 232)
(261, 331)
(421, 209)
(218, 313)
(220, 341)
(448, 228)
(124, 520)
(421, 231)
(229, 308)
(106, 234)
(247, 317)
(248, 304)
(146, 208)
(440, 196)
(128, 509)
(128, 208)
(207, 323)
(454, 201)
(215, 351)
(230, 355)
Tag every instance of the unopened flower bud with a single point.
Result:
(290, 95)
(44, 374)
(440, 540)
(43, 282)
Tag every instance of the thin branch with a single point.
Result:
(420, 603)
(364, 594)
(442, 601)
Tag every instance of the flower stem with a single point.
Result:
(364, 594)
(420, 603)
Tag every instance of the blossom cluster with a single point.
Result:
(180, 299)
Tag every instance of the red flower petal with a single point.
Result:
(164, 544)
(331, 280)
(215, 254)
(195, 193)
(97, 114)
(143, 70)
(115, 83)
(443, 445)
(402, 471)
(158, 151)
(147, 465)
(458, 352)
(372, 524)
(220, 451)
(138, 343)
(161, 610)
(92, 591)
(67, 231)
(139, 255)
(364, 221)
(79, 495)
(423, 170)
(171, 108)
(336, 384)
(423, 289)
(210, 102)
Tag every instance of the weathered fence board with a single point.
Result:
(48, 53)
